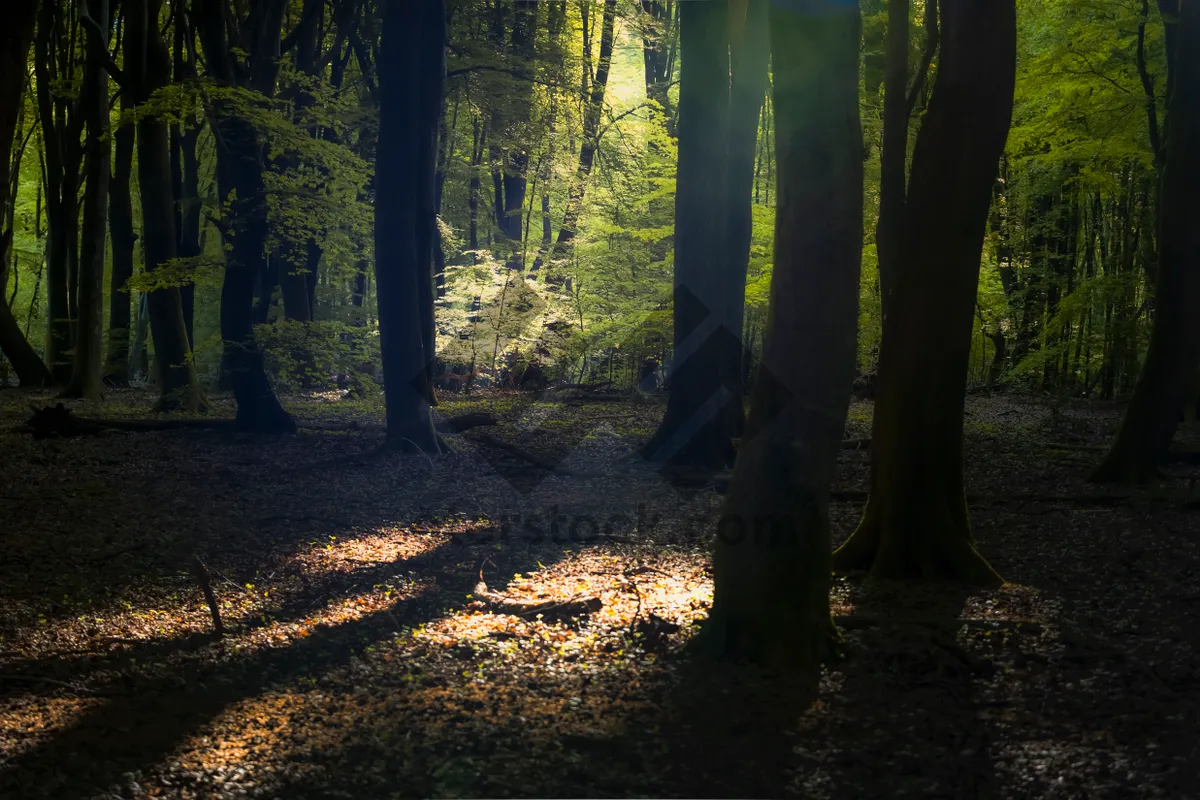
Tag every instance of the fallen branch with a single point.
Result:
(548, 610)
(210, 597)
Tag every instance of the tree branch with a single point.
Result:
(96, 39)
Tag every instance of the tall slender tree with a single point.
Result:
(15, 39)
(1166, 381)
(411, 68)
(87, 374)
(242, 52)
(148, 69)
(771, 565)
(916, 523)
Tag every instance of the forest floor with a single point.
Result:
(356, 662)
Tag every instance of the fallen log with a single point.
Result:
(548, 610)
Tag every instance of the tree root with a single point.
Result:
(548, 610)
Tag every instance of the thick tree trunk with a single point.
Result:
(771, 565)
(916, 524)
(179, 386)
(120, 222)
(411, 72)
(1174, 354)
(701, 408)
(87, 374)
(15, 38)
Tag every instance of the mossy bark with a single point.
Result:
(916, 525)
(772, 563)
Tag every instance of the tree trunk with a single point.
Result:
(120, 222)
(146, 52)
(916, 524)
(889, 230)
(15, 39)
(240, 165)
(701, 410)
(411, 73)
(771, 564)
(61, 151)
(749, 51)
(87, 375)
(1174, 354)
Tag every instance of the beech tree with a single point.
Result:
(916, 523)
(771, 565)
(241, 155)
(15, 39)
(87, 372)
(1167, 380)
(412, 68)
(717, 128)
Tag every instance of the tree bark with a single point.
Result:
(411, 73)
(1163, 387)
(240, 164)
(61, 125)
(15, 38)
(120, 222)
(749, 51)
(149, 70)
(916, 524)
(87, 374)
(771, 564)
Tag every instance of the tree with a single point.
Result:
(412, 69)
(1167, 377)
(14, 51)
(247, 75)
(87, 375)
(916, 523)
(717, 128)
(148, 68)
(698, 424)
(771, 565)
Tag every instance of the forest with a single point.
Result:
(600, 398)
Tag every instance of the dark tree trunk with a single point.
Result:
(240, 164)
(411, 73)
(701, 409)
(1165, 382)
(150, 69)
(120, 223)
(771, 564)
(61, 125)
(889, 230)
(15, 38)
(749, 51)
(916, 524)
(87, 373)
